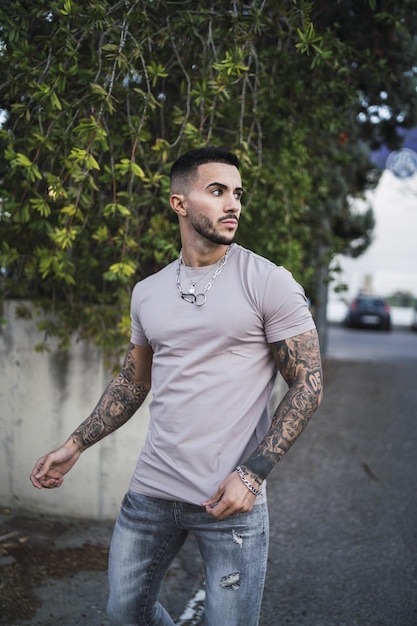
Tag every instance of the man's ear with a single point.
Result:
(177, 202)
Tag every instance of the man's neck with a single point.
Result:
(196, 257)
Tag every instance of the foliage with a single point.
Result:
(102, 96)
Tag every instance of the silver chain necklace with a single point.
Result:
(198, 298)
(193, 283)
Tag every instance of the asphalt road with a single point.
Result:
(343, 508)
(343, 503)
(371, 345)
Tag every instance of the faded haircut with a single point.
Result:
(185, 167)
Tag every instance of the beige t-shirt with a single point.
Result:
(212, 370)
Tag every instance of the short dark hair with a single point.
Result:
(186, 165)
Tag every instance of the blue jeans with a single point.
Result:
(150, 532)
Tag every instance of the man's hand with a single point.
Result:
(231, 497)
(50, 469)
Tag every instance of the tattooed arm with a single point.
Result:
(121, 399)
(298, 360)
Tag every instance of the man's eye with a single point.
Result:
(217, 192)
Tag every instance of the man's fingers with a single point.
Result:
(211, 502)
(36, 475)
(43, 477)
(50, 481)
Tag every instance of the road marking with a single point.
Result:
(194, 610)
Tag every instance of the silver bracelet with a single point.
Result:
(256, 492)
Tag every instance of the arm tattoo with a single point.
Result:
(298, 360)
(119, 402)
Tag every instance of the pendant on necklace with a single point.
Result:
(191, 288)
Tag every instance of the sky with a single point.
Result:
(390, 263)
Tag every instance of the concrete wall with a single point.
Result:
(43, 398)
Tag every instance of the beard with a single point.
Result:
(205, 227)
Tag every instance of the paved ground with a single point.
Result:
(343, 517)
(53, 571)
(344, 506)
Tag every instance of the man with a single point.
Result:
(213, 328)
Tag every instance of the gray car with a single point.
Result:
(367, 311)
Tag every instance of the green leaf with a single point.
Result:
(23, 160)
(102, 234)
(98, 90)
(127, 165)
(55, 101)
(156, 70)
(91, 163)
(41, 206)
(136, 170)
(64, 237)
(113, 207)
(124, 268)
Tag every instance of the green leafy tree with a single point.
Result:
(100, 97)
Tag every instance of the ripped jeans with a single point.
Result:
(150, 532)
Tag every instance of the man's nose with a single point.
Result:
(232, 204)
